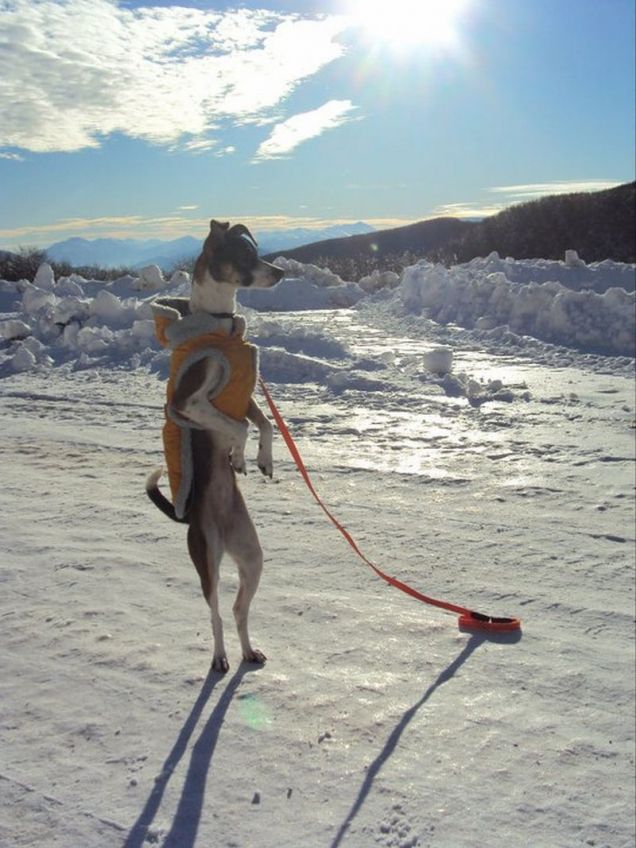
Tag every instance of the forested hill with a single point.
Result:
(599, 225)
(418, 238)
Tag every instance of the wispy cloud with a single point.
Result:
(467, 209)
(123, 226)
(170, 226)
(290, 133)
(76, 71)
(13, 157)
(531, 191)
(202, 145)
(518, 194)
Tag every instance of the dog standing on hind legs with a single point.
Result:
(213, 372)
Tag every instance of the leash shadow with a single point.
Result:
(201, 757)
(394, 738)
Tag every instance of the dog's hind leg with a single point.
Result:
(243, 546)
(206, 550)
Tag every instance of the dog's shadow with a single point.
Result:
(394, 737)
(185, 824)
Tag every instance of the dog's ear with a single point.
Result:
(241, 231)
(218, 229)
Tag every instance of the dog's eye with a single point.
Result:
(247, 248)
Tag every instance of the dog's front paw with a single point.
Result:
(237, 459)
(265, 462)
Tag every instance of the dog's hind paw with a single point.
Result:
(255, 657)
(221, 665)
(266, 470)
(265, 462)
(238, 461)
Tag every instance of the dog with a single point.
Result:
(209, 405)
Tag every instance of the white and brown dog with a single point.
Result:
(209, 404)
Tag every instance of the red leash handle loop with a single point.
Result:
(468, 618)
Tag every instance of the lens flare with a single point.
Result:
(254, 712)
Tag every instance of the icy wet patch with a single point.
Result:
(503, 410)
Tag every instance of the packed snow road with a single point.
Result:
(505, 484)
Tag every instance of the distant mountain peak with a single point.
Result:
(134, 253)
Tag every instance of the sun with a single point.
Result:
(409, 23)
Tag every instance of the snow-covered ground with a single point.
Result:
(468, 457)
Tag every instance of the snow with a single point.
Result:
(487, 467)
(475, 296)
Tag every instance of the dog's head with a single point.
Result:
(230, 255)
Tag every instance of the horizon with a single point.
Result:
(305, 115)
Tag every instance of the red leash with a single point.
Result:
(467, 618)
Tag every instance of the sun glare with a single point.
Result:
(409, 23)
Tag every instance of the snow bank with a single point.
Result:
(87, 323)
(377, 280)
(322, 277)
(476, 296)
(573, 273)
(291, 295)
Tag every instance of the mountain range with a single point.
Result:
(598, 225)
(135, 253)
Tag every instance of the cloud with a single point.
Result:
(532, 191)
(518, 194)
(123, 226)
(202, 145)
(468, 209)
(13, 157)
(290, 133)
(170, 226)
(76, 71)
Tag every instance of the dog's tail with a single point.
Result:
(158, 499)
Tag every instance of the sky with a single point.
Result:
(146, 119)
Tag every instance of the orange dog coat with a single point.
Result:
(192, 337)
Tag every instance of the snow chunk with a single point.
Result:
(35, 299)
(377, 280)
(439, 360)
(301, 293)
(23, 360)
(70, 309)
(14, 329)
(106, 306)
(151, 279)
(144, 329)
(572, 259)
(44, 277)
(179, 279)
(322, 277)
(70, 286)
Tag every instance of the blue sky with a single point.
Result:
(144, 120)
